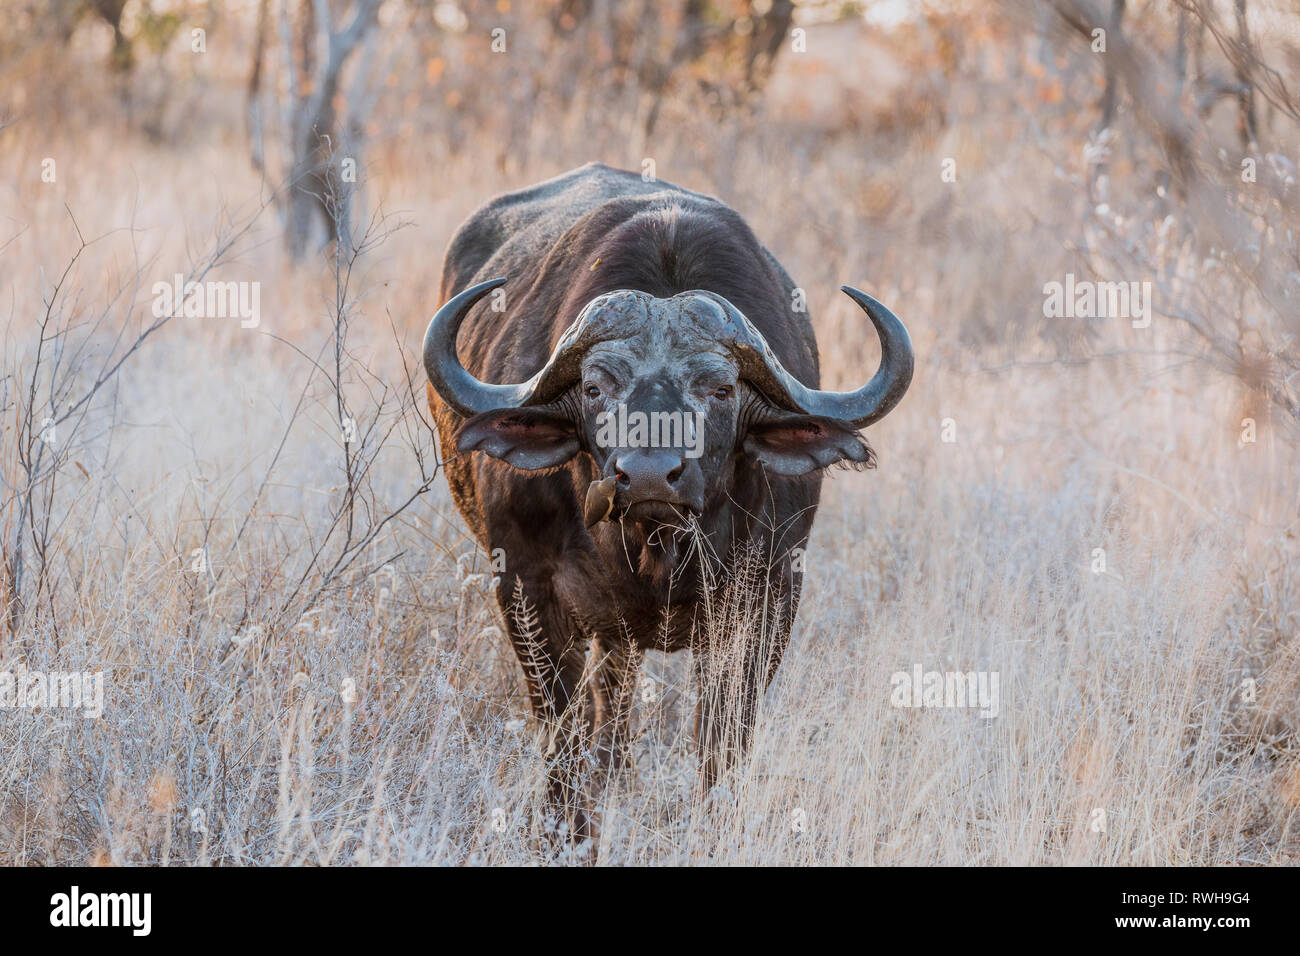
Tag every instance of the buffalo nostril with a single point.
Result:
(676, 473)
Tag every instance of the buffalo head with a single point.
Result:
(664, 395)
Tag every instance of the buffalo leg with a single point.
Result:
(731, 679)
(615, 663)
(553, 655)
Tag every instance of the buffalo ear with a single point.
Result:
(526, 438)
(791, 445)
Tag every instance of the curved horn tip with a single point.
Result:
(475, 292)
(858, 295)
(485, 286)
(897, 360)
(471, 294)
(879, 314)
(450, 380)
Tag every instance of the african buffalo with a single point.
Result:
(624, 301)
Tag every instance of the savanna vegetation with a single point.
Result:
(240, 520)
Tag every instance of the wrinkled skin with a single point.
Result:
(654, 357)
(628, 251)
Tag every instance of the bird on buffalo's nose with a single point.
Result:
(599, 504)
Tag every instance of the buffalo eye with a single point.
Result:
(592, 391)
(722, 393)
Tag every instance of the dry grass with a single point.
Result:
(226, 740)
